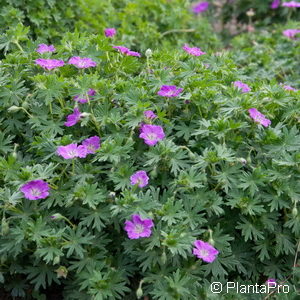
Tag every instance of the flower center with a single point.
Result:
(35, 192)
(203, 252)
(72, 152)
(139, 228)
(152, 136)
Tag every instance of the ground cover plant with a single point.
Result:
(131, 171)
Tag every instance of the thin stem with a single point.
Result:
(176, 30)
(30, 115)
(19, 46)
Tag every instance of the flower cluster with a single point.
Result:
(110, 32)
(169, 91)
(89, 146)
(243, 86)
(127, 51)
(42, 48)
(259, 117)
(35, 189)
(275, 4)
(291, 4)
(200, 7)
(193, 50)
(49, 64)
(290, 33)
(151, 134)
(140, 178)
(82, 63)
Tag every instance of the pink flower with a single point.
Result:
(49, 64)
(82, 63)
(80, 99)
(200, 7)
(243, 86)
(290, 33)
(127, 51)
(110, 32)
(71, 151)
(138, 227)
(291, 4)
(275, 4)
(193, 51)
(149, 114)
(151, 134)
(133, 53)
(271, 281)
(140, 177)
(289, 88)
(259, 117)
(92, 144)
(205, 251)
(35, 189)
(169, 91)
(73, 118)
(42, 48)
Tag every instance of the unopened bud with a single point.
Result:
(139, 293)
(56, 216)
(148, 53)
(242, 160)
(164, 257)
(13, 109)
(294, 211)
(85, 114)
(4, 226)
(25, 104)
(61, 272)
(56, 260)
(250, 13)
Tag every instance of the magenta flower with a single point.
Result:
(275, 4)
(169, 91)
(259, 117)
(290, 33)
(289, 88)
(71, 151)
(49, 64)
(127, 51)
(122, 49)
(138, 227)
(291, 4)
(82, 63)
(133, 53)
(35, 189)
(200, 7)
(92, 144)
(73, 118)
(149, 114)
(271, 281)
(42, 48)
(205, 251)
(193, 51)
(243, 86)
(140, 177)
(80, 99)
(151, 134)
(110, 32)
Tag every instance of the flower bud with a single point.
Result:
(56, 260)
(25, 104)
(56, 216)
(61, 272)
(242, 160)
(139, 293)
(294, 211)
(250, 13)
(4, 226)
(148, 53)
(85, 114)
(164, 257)
(13, 109)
